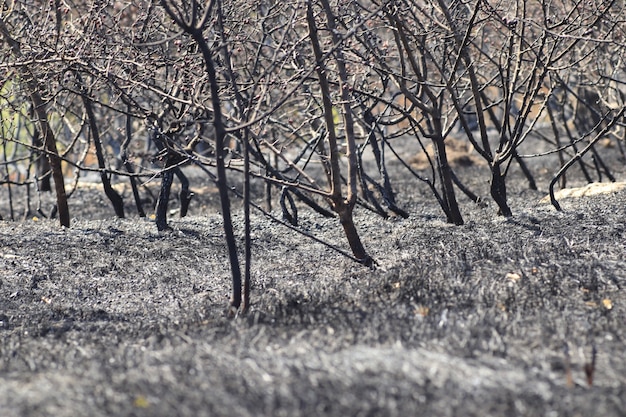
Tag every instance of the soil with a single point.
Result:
(495, 317)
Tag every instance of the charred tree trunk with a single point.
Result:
(453, 212)
(342, 206)
(193, 25)
(42, 165)
(129, 167)
(185, 194)
(498, 190)
(49, 141)
(114, 197)
(160, 212)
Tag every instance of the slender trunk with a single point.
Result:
(53, 158)
(332, 160)
(445, 171)
(342, 206)
(245, 303)
(9, 188)
(167, 177)
(242, 107)
(114, 197)
(185, 195)
(42, 163)
(49, 141)
(129, 167)
(193, 25)
(529, 176)
(222, 184)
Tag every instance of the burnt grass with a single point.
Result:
(495, 317)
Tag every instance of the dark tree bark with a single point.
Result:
(498, 190)
(49, 141)
(114, 197)
(129, 166)
(193, 26)
(160, 211)
(342, 206)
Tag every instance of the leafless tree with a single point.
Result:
(35, 90)
(311, 98)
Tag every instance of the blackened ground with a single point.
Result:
(496, 317)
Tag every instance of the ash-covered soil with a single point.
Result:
(495, 317)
